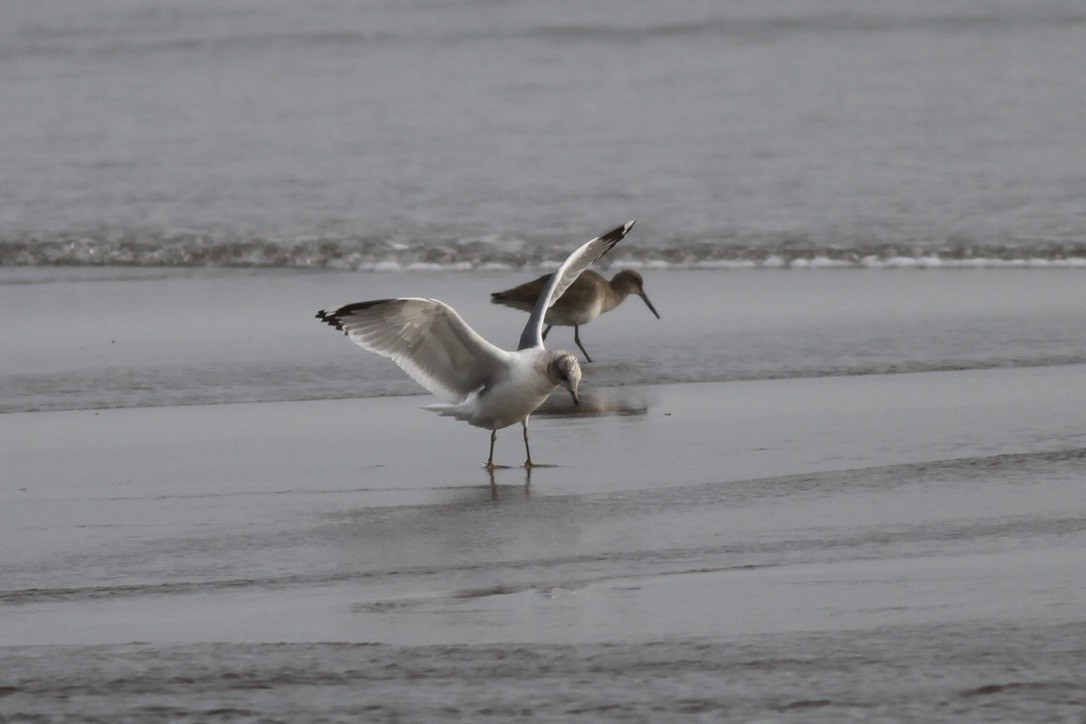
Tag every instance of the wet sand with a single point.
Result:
(810, 548)
(717, 509)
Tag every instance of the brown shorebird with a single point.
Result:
(587, 298)
(482, 384)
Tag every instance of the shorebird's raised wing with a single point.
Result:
(571, 268)
(426, 338)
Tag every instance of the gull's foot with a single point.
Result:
(491, 467)
(529, 464)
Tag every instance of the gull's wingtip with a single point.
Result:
(614, 236)
(336, 317)
(331, 319)
(620, 231)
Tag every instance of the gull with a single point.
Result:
(480, 383)
(587, 298)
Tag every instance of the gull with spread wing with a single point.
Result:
(479, 382)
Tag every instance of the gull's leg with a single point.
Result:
(490, 460)
(528, 460)
(577, 339)
(547, 330)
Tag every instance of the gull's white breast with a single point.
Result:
(513, 394)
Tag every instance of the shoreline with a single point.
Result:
(749, 413)
(229, 336)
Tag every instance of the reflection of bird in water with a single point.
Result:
(620, 401)
(587, 298)
(481, 383)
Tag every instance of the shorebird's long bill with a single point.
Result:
(647, 302)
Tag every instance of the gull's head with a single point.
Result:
(565, 370)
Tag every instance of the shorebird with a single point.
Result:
(587, 298)
(480, 383)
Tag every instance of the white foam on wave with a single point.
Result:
(385, 254)
(430, 266)
(935, 262)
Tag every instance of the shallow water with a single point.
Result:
(1022, 673)
(470, 133)
(102, 338)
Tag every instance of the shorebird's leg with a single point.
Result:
(490, 460)
(547, 330)
(577, 339)
(528, 460)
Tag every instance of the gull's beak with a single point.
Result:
(573, 394)
(649, 304)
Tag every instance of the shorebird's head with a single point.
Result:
(628, 281)
(565, 370)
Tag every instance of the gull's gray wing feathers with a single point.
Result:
(571, 268)
(426, 338)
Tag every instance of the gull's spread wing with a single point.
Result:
(571, 268)
(426, 338)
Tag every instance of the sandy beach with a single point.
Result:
(781, 547)
(768, 516)
(291, 521)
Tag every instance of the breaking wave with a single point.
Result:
(387, 253)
